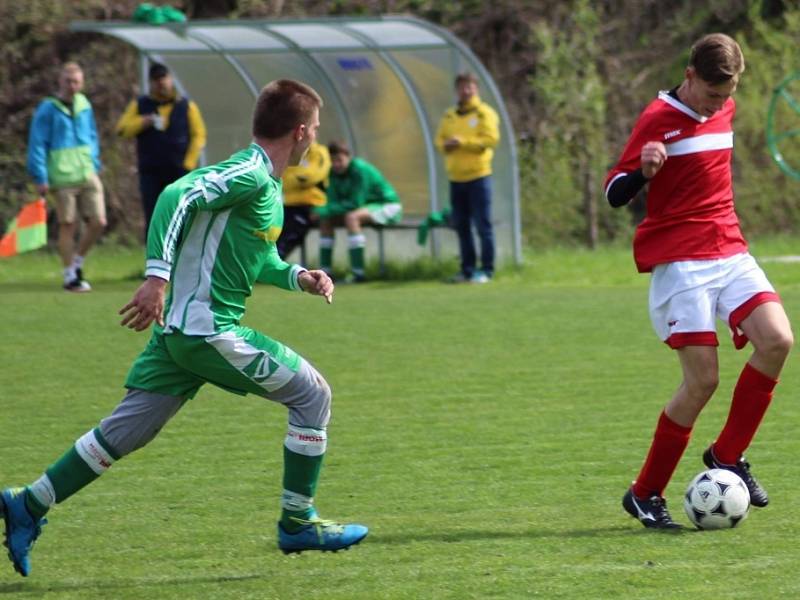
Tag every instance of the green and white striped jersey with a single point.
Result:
(213, 236)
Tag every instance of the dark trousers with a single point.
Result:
(296, 223)
(472, 205)
(151, 184)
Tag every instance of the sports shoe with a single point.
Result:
(758, 495)
(479, 277)
(21, 528)
(320, 534)
(652, 513)
(77, 285)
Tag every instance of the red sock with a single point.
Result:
(751, 397)
(669, 442)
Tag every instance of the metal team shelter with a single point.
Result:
(385, 83)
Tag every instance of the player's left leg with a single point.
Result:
(767, 327)
(245, 361)
(308, 397)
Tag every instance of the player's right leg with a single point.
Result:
(683, 317)
(134, 422)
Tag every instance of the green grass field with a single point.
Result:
(485, 434)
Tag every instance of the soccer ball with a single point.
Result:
(716, 499)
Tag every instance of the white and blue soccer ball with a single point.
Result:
(716, 499)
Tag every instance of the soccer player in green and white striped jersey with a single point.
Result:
(212, 237)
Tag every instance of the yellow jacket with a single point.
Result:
(131, 124)
(304, 184)
(476, 127)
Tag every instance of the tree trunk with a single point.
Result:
(589, 204)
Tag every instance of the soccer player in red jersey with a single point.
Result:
(691, 243)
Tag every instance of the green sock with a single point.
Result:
(300, 476)
(36, 508)
(80, 465)
(356, 243)
(326, 254)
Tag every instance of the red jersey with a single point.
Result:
(690, 213)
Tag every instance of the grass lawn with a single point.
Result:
(485, 434)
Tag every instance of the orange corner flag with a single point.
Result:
(27, 231)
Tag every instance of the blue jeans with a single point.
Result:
(472, 205)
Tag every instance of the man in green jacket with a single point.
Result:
(358, 194)
(64, 156)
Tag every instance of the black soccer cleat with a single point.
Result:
(758, 495)
(652, 512)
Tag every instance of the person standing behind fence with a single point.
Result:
(467, 136)
(303, 189)
(64, 155)
(358, 194)
(170, 134)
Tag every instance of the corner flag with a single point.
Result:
(27, 231)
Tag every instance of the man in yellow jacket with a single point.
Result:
(170, 134)
(467, 136)
(303, 189)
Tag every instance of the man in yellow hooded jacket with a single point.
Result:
(304, 188)
(467, 136)
(170, 134)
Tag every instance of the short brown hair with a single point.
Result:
(466, 77)
(70, 67)
(337, 147)
(717, 58)
(281, 106)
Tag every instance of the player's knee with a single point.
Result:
(780, 344)
(701, 388)
(352, 220)
(316, 404)
(126, 441)
(322, 398)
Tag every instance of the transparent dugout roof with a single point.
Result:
(385, 82)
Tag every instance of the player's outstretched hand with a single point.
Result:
(654, 155)
(146, 306)
(318, 283)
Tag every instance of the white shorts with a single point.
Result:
(686, 297)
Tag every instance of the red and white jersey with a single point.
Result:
(690, 213)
